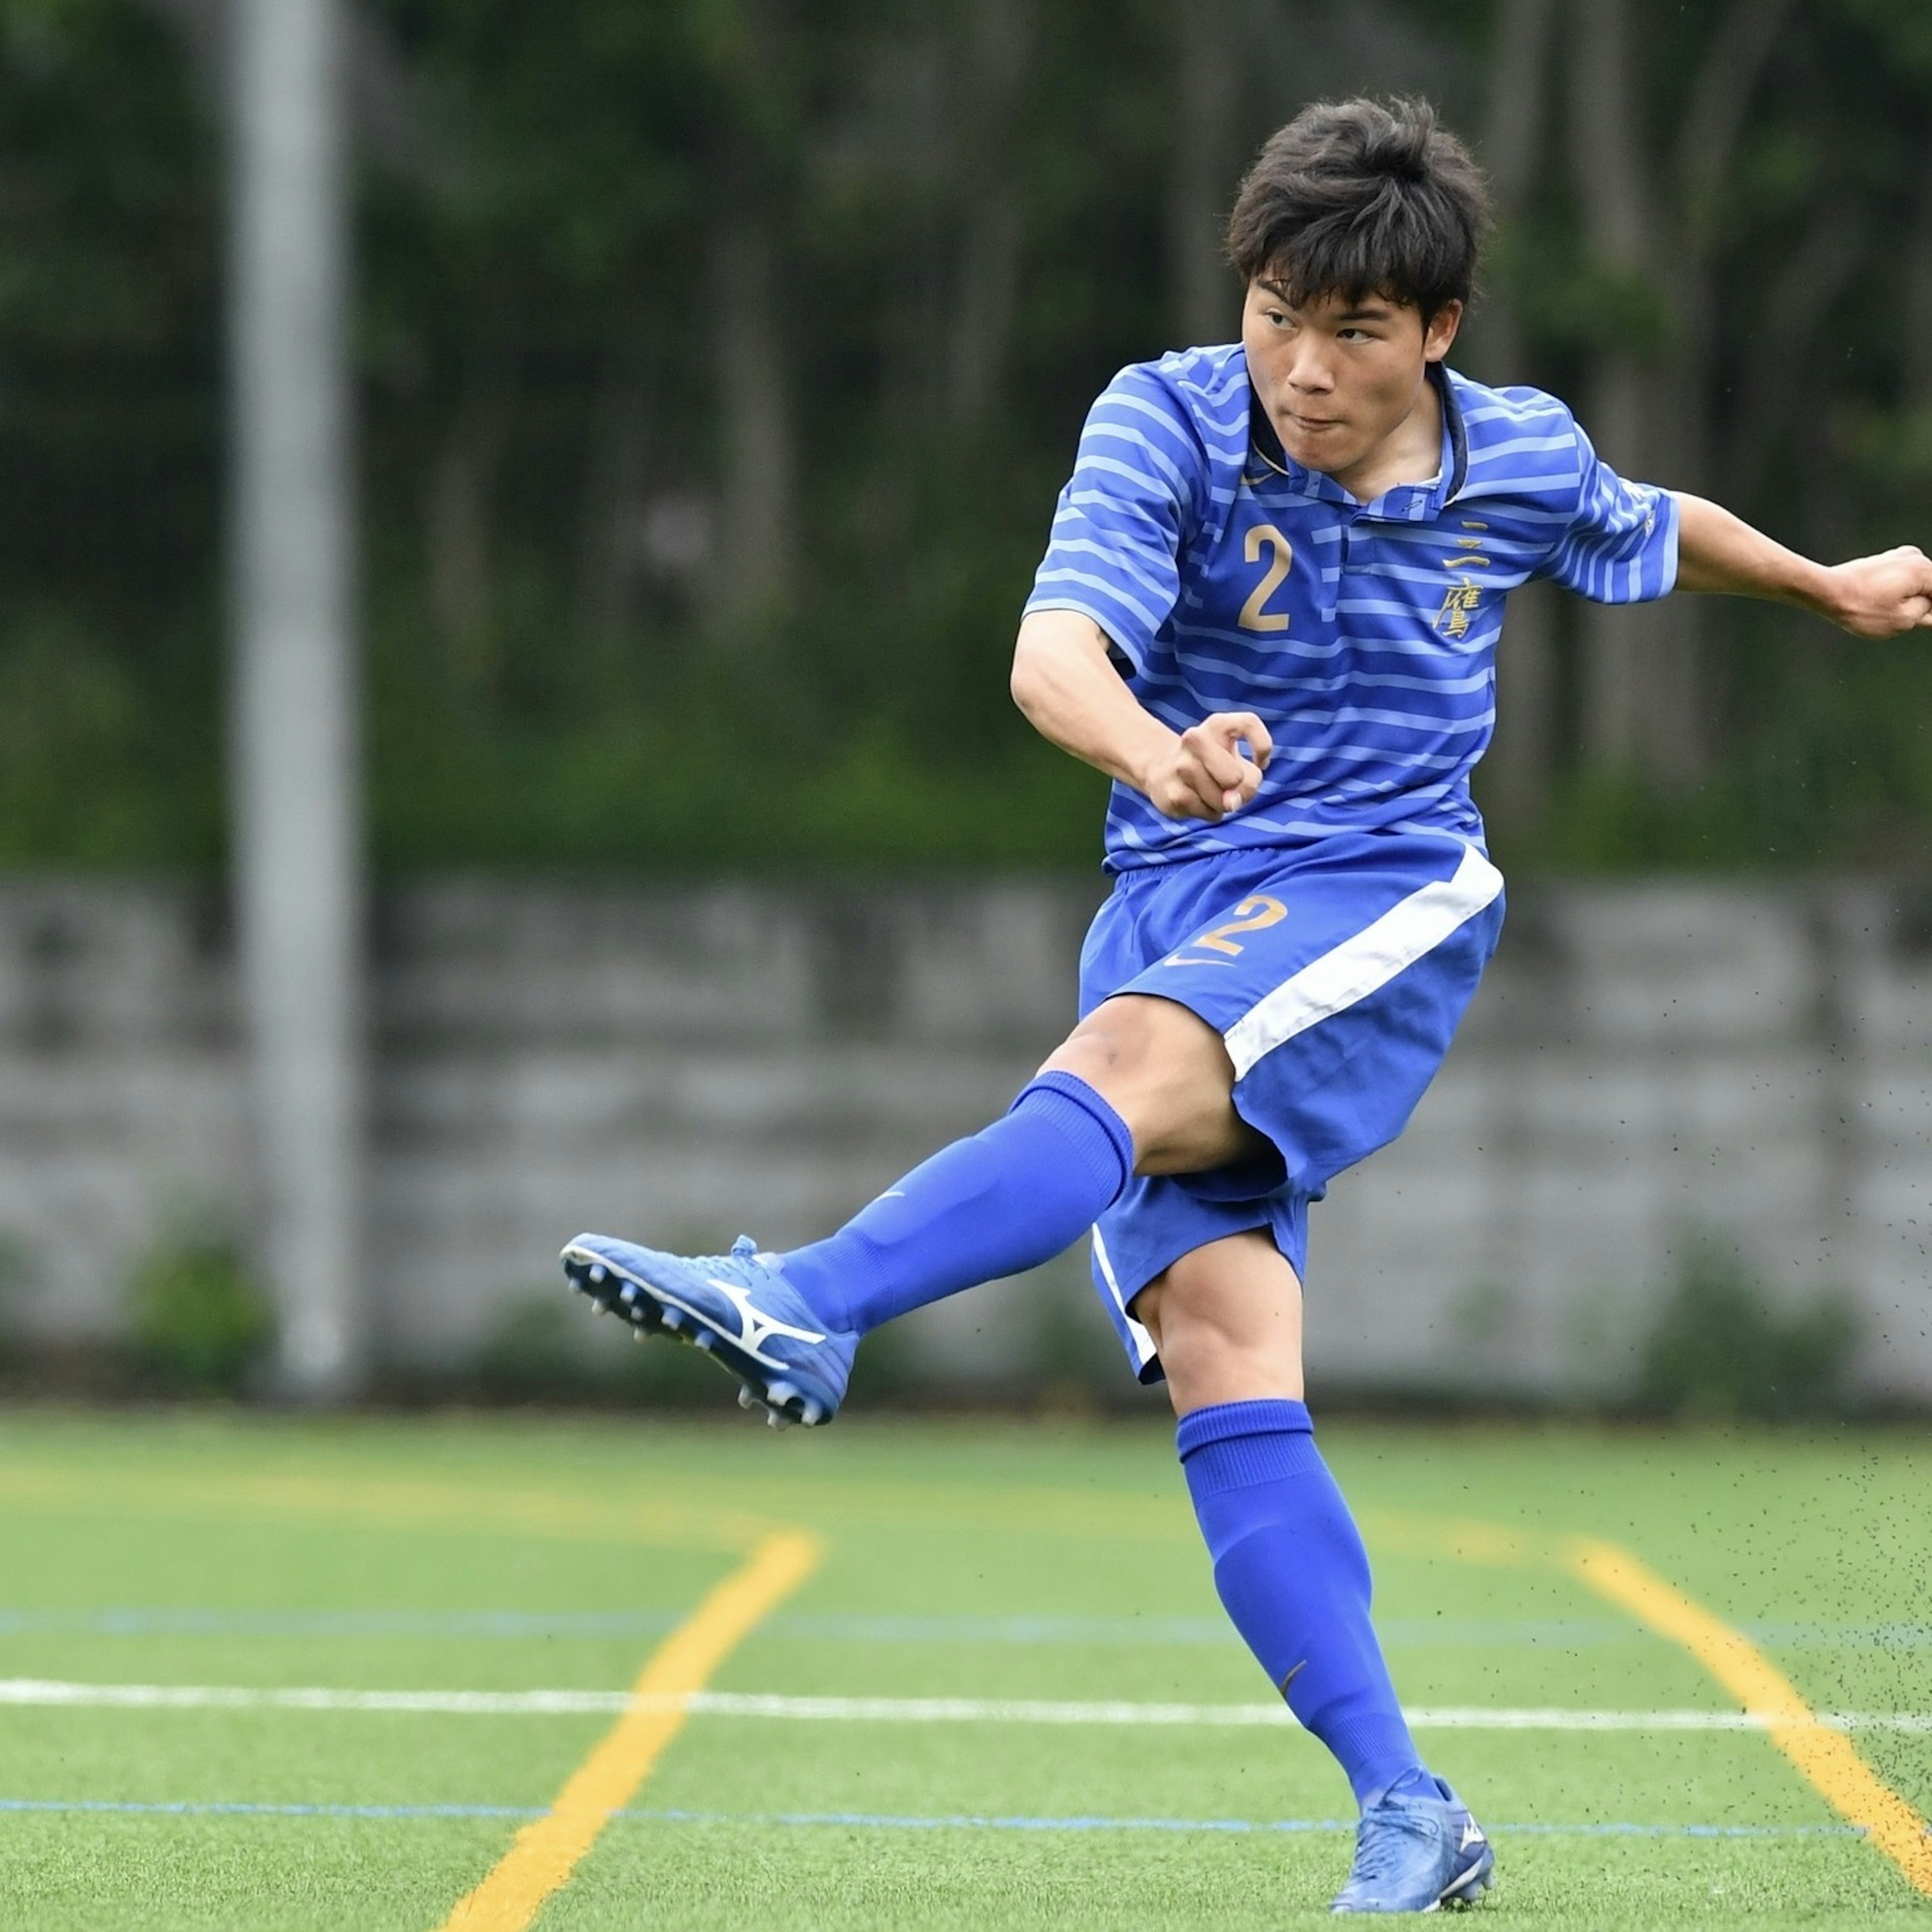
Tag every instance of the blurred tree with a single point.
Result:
(1647, 700)
(753, 157)
(723, 358)
(998, 56)
(1207, 158)
(110, 440)
(1513, 147)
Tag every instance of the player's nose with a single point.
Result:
(1310, 372)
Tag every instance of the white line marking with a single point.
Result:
(31, 1690)
(241, 1697)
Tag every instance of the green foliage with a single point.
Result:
(1830, 765)
(1572, 302)
(643, 794)
(548, 1348)
(537, 334)
(199, 1322)
(532, 1353)
(1720, 1348)
(86, 775)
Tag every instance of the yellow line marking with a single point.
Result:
(1462, 1537)
(377, 1502)
(546, 1851)
(1824, 1756)
(709, 1522)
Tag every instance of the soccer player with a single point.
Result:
(1269, 610)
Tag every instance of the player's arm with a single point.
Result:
(1870, 596)
(1065, 683)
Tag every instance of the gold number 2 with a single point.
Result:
(1251, 915)
(1253, 617)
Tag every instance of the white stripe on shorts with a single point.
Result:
(1144, 1348)
(1365, 963)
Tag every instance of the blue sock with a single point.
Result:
(1290, 1569)
(1010, 1197)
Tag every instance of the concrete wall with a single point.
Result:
(1647, 1067)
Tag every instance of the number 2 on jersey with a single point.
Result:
(1254, 615)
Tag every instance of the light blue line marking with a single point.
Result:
(1397, 1633)
(887, 1821)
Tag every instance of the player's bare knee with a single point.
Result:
(1163, 1069)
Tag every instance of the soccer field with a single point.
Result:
(972, 1675)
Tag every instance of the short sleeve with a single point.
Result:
(1138, 484)
(1620, 546)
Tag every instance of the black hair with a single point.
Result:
(1358, 198)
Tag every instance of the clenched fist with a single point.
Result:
(1880, 596)
(1203, 773)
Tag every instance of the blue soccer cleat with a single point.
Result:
(738, 1308)
(1415, 1852)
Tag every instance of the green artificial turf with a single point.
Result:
(983, 1560)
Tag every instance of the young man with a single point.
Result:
(1269, 610)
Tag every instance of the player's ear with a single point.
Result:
(1441, 332)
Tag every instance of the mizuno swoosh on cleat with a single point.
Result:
(739, 1309)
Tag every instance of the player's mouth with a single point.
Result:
(1301, 425)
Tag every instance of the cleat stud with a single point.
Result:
(597, 1274)
(779, 1395)
(746, 1399)
(671, 1319)
(705, 1339)
(630, 1292)
(810, 1414)
(776, 1421)
(640, 1336)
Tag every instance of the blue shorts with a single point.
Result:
(1336, 973)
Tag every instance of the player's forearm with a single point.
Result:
(1719, 553)
(1880, 596)
(1072, 696)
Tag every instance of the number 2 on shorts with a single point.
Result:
(1250, 916)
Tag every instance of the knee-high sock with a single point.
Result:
(1008, 1199)
(1291, 1570)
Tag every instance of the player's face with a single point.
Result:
(1340, 380)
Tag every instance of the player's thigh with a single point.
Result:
(1166, 1073)
(1227, 1321)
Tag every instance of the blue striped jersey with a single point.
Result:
(1229, 578)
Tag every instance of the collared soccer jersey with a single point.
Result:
(1333, 930)
(1229, 578)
